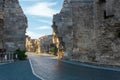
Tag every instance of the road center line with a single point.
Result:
(34, 71)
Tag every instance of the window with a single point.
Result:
(107, 16)
(102, 1)
(118, 33)
(53, 22)
(1, 22)
(60, 38)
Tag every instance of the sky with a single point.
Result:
(40, 14)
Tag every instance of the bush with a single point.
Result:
(54, 50)
(21, 54)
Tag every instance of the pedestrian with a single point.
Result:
(16, 56)
(5, 58)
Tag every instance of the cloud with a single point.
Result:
(43, 9)
(34, 35)
(45, 21)
(43, 28)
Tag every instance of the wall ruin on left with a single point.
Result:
(13, 24)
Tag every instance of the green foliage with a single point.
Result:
(54, 50)
(21, 54)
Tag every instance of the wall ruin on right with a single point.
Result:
(90, 30)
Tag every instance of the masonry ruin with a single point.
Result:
(13, 24)
(32, 45)
(45, 43)
(89, 31)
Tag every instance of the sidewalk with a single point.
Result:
(20, 70)
(1, 63)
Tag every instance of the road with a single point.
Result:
(48, 67)
(19, 70)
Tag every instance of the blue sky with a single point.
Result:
(39, 14)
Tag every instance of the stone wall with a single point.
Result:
(62, 30)
(107, 23)
(13, 24)
(32, 45)
(83, 31)
(45, 43)
(89, 31)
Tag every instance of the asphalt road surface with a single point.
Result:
(20, 70)
(48, 67)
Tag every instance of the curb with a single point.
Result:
(5, 63)
(92, 66)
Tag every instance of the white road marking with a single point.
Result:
(34, 71)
